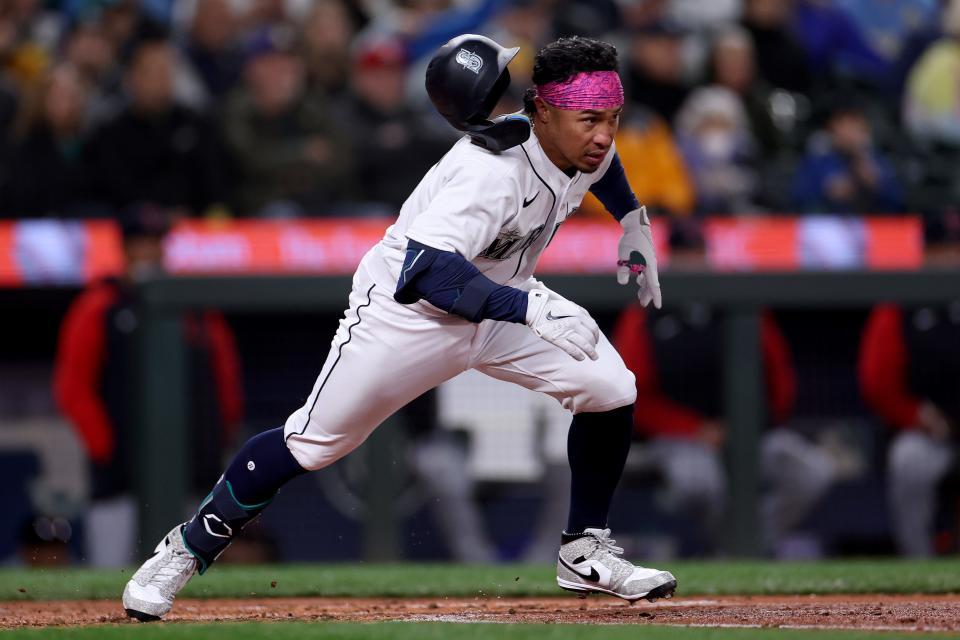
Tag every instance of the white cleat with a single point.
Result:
(590, 563)
(150, 592)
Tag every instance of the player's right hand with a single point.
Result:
(562, 323)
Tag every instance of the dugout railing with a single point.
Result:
(161, 373)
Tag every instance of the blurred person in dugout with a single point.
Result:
(675, 356)
(910, 377)
(92, 377)
(438, 457)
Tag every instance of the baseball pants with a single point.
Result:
(385, 354)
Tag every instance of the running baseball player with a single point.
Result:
(450, 288)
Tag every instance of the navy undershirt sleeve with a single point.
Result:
(613, 190)
(450, 282)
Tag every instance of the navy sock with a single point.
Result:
(260, 468)
(597, 448)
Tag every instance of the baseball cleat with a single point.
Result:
(150, 592)
(589, 562)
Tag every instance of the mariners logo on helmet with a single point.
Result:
(470, 60)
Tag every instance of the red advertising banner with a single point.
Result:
(58, 252)
(813, 242)
(55, 252)
(336, 246)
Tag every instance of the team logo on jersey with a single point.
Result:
(470, 60)
(508, 243)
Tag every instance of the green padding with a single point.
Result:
(203, 565)
(248, 507)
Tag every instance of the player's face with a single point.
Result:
(579, 139)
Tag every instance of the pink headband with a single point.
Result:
(593, 90)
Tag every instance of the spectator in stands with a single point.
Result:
(23, 57)
(920, 39)
(424, 25)
(702, 17)
(675, 357)
(837, 50)
(292, 157)
(91, 383)
(326, 38)
(124, 25)
(640, 15)
(887, 27)
(49, 176)
(155, 150)
(781, 60)
(909, 368)
(932, 99)
(526, 24)
(653, 164)
(589, 18)
(267, 14)
(87, 50)
(654, 75)
(393, 145)
(212, 45)
(9, 101)
(842, 171)
(734, 67)
(719, 151)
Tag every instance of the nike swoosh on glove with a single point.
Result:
(562, 323)
(636, 255)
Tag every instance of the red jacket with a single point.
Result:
(658, 415)
(82, 356)
(883, 368)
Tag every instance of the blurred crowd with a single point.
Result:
(278, 108)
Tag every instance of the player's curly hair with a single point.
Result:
(567, 57)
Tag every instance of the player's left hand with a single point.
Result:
(636, 255)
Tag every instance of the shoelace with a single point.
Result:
(606, 544)
(177, 565)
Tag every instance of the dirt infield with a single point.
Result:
(873, 612)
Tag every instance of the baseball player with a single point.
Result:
(449, 288)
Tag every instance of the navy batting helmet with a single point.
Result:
(465, 80)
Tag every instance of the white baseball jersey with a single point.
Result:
(500, 212)
(497, 211)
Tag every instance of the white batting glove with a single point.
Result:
(562, 323)
(636, 255)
